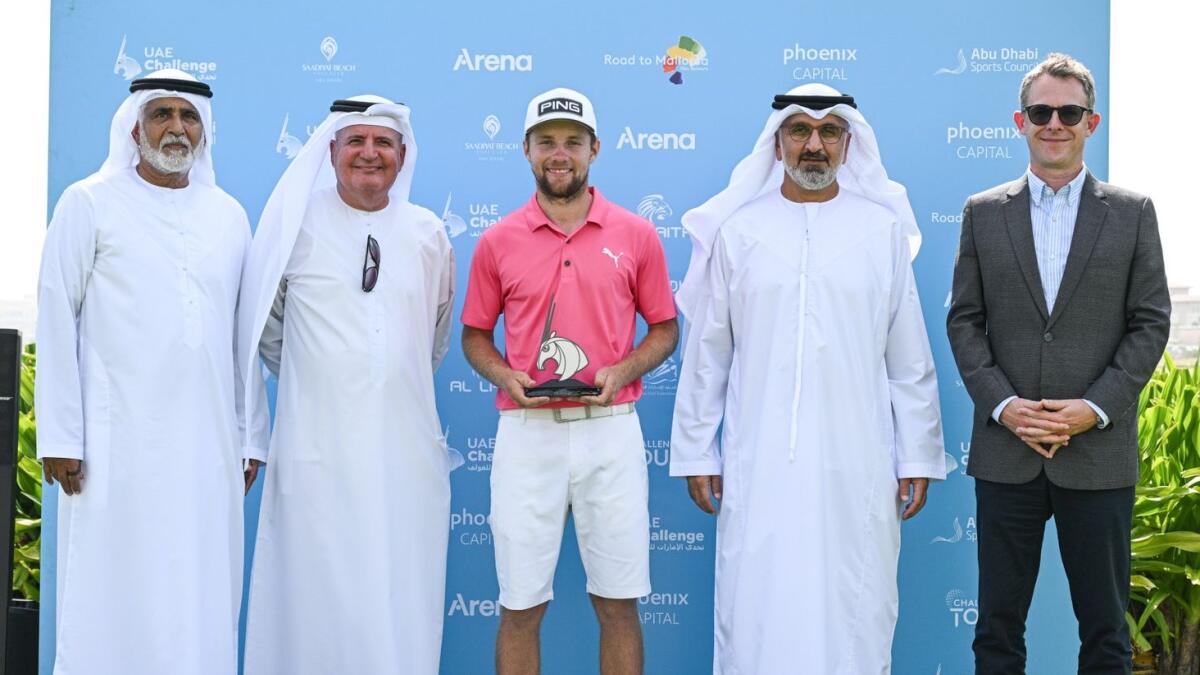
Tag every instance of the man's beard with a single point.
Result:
(168, 162)
(577, 185)
(811, 177)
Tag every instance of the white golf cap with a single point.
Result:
(560, 104)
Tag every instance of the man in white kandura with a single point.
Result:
(347, 297)
(137, 396)
(806, 339)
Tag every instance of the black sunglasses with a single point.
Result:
(370, 265)
(1069, 115)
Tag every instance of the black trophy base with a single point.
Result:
(562, 389)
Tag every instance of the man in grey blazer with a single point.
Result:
(1059, 314)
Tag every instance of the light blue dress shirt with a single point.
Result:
(1053, 215)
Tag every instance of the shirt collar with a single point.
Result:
(535, 217)
(1038, 187)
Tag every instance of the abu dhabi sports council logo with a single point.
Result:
(664, 539)
(159, 58)
(958, 532)
(993, 60)
(491, 150)
(981, 142)
(492, 63)
(963, 608)
(823, 64)
(482, 215)
(686, 55)
(328, 72)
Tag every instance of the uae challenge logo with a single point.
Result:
(158, 58)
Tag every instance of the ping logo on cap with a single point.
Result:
(560, 105)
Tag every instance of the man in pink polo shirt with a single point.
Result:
(569, 271)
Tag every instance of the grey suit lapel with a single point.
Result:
(1089, 222)
(1020, 233)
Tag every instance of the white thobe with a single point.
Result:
(811, 348)
(350, 561)
(136, 377)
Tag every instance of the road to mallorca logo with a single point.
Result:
(686, 55)
(158, 58)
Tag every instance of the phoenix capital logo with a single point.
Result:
(329, 48)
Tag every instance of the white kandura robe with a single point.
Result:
(350, 561)
(136, 376)
(808, 535)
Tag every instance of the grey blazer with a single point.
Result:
(1102, 342)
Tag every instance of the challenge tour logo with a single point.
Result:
(995, 60)
(158, 58)
(963, 608)
(328, 72)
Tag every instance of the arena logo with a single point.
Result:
(666, 540)
(288, 144)
(482, 215)
(655, 209)
(975, 142)
(661, 609)
(491, 150)
(658, 452)
(958, 533)
(825, 64)
(476, 528)
(995, 60)
(656, 140)
(479, 453)
(963, 608)
(328, 72)
(158, 58)
(663, 379)
(493, 63)
(684, 56)
(461, 606)
(938, 218)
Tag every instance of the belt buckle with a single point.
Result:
(558, 414)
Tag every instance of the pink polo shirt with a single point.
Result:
(598, 276)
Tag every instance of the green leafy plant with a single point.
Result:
(1164, 616)
(27, 536)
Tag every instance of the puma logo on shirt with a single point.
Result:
(615, 258)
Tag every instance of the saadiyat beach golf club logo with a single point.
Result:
(491, 126)
(158, 58)
(327, 70)
(491, 150)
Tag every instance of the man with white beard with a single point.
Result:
(347, 297)
(806, 339)
(138, 399)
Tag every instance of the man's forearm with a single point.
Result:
(660, 341)
(480, 349)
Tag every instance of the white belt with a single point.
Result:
(571, 414)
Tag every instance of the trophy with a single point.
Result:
(569, 359)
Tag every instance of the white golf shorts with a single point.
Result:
(594, 467)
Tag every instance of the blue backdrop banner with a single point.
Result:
(937, 79)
